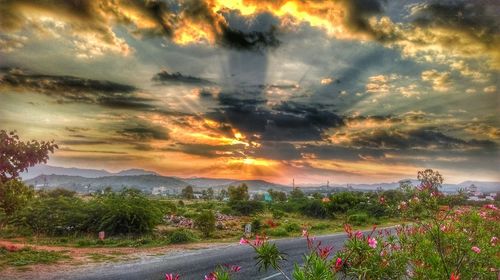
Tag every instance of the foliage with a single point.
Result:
(277, 195)
(14, 195)
(314, 208)
(128, 212)
(207, 194)
(16, 156)
(239, 193)
(296, 193)
(57, 192)
(54, 216)
(246, 207)
(441, 242)
(27, 256)
(205, 222)
(181, 236)
(187, 192)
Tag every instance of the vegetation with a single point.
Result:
(26, 256)
(205, 222)
(444, 240)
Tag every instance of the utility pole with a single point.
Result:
(293, 183)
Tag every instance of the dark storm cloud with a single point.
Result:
(288, 121)
(83, 142)
(359, 12)
(249, 41)
(423, 138)
(67, 89)
(144, 131)
(164, 77)
(479, 17)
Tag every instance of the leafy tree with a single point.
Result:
(187, 192)
(430, 179)
(207, 194)
(317, 195)
(14, 195)
(57, 192)
(16, 156)
(314, 208)
(239, 193)
(277, 195)
(297, 193)
(222, 194)
(205, 222)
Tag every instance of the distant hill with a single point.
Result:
(43, 169)
(77, 183)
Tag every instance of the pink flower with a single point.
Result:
(243, 241)
(235, 268)
(491, 206)
(324, 252)
(211, 276)
(305, 233)
(338, 264)
(171, 277)
(372, 242)
(359, 234)
(476, 249)
(494, 241)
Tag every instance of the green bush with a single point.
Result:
(320, 226)
(246, 208)
(277, 214)
(277, 232)
(293, 227)
(182, 236)
(205, 222)
(256, 225)
(128, 212)
(314, 208)
(54, 215)
(358, 219)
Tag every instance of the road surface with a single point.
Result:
(193, 265)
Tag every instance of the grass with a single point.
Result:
(28, 256)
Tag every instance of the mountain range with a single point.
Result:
(84, 180)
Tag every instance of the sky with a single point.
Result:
(346, 91)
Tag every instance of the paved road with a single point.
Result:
(193, 265)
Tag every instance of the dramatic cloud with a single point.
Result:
(341, 90)
(165, 77)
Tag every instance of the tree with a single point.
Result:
(430, 179)
(14, 195)
(296, 193)
(207, 194)
(239, 193)
(277, 195)
(187, 192)
(205, 222)
(222, 194)
(16, 156)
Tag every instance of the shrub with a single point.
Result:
(293, 227)
(277, 214)
(314, 208)
(54, 216)
(182, 236)
(277, 232)
(14, 195)
(358, 218)
(128, 212)
(246, 208)
(256, 225)
(205, 222)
